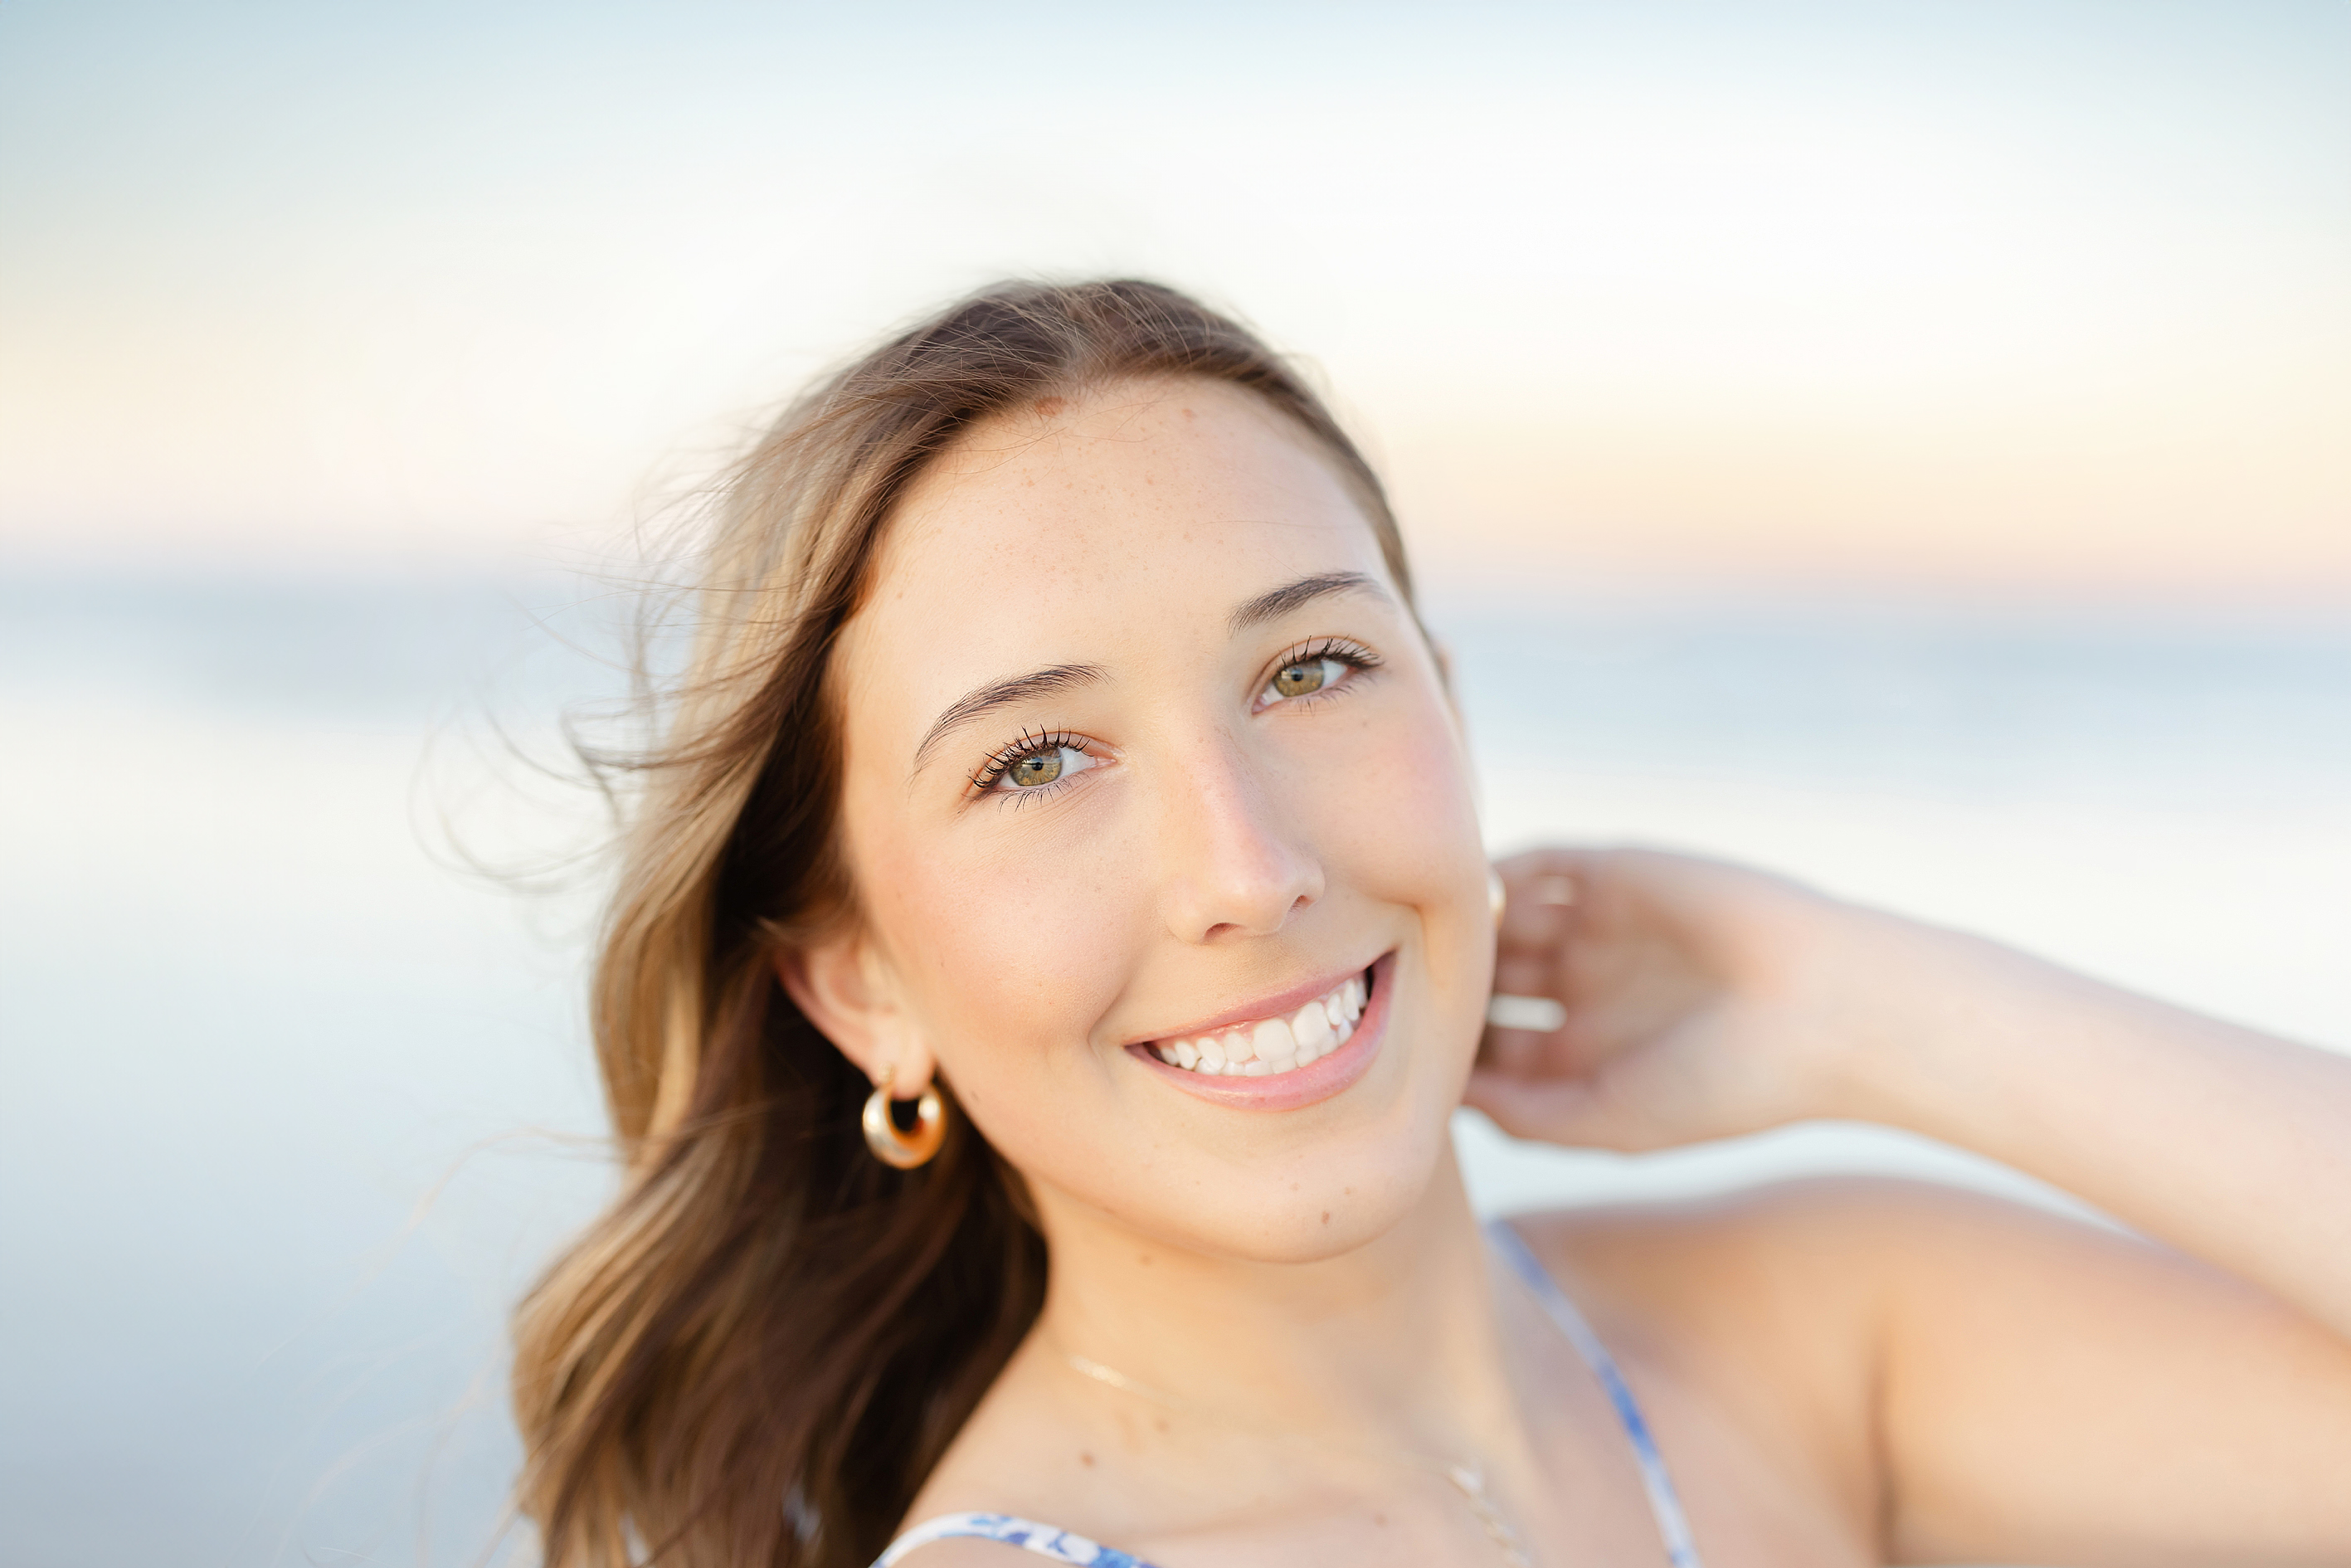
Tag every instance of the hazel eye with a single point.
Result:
(1042, 769)
(1046, 765)
(1304, 677)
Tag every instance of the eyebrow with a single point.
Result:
(1290, 596)
(985, 700)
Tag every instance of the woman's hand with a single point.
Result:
(1703, 999)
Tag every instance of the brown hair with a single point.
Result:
(759, 1351)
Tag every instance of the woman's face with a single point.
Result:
(1145, 759)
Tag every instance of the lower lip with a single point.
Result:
(1317, 1081)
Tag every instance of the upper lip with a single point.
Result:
(1279, 1004)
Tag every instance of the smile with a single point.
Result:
(1263, 1048)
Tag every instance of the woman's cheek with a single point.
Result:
(1410, 833)
(1017, 954)
(1421, 850)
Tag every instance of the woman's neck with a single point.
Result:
(1394, 1343)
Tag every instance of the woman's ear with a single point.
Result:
(850, 991)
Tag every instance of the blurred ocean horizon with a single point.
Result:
(298, 1100)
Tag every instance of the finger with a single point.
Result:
(1532, 1054)
(1520, 973)
(1534, 931)
(1568, 1111)
(1545, 889)
(1515, 1051)
(1565, 859)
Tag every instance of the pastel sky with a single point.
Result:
(2013, 294)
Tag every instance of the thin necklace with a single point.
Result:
(1468, 1479)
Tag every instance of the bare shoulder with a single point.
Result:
(1805, 1280)
(1809, 1243)
(1973, 1373)
(1654, 1270)
(1759, 1321)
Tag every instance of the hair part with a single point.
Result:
(759, 1351)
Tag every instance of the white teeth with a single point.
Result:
(1275, 1045)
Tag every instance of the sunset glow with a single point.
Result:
(1994, 295)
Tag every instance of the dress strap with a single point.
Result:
(1058, 1545)
(1671, 1524)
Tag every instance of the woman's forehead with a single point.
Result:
(1136, 473)
(1051, 533)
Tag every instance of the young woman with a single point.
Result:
(1052, 938)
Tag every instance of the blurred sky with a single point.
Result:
(2024, 297)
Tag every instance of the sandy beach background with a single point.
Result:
(1899, 443)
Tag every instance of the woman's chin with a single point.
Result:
(1344, 1192)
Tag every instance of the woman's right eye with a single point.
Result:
(1039, 767)
(1306, 677)
(1052, 761)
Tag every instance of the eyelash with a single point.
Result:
(1341, 650)
(1028, 745)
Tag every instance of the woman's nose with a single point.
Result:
(1235, 864)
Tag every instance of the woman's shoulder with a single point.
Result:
(1746, 1248)
(1768, 1307)
(1811, 1259)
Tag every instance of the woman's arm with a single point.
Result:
(2043, 1388)
(2231, 1145)
(1705, 1000)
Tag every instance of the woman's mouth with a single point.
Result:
(1263, 1048)
(1298, 1053)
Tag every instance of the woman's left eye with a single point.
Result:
(1304, 677)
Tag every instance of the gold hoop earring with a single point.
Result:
(1497, 894)
(893, 1147)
